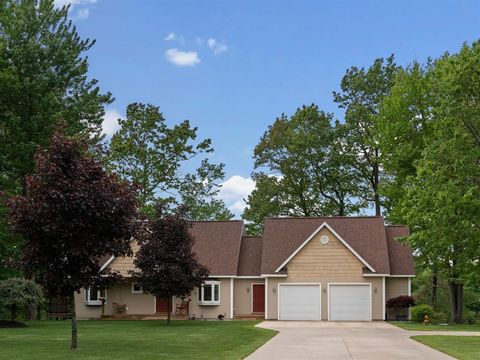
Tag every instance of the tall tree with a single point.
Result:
(301, 169)
(43, 77)
(72, 214)
(199, 193)
(439, 199)
(149, 153)
(361, 95)
(166, 263)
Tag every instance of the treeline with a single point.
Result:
(44, 84)
(408, 148)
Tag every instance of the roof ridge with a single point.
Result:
(216, 220)
(325, 217)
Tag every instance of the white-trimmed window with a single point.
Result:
(209, 293)
(93, 296)
(136, 288)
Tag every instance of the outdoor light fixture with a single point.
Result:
(324, 290)
(375, 290)
(274, 290)
(248, 288)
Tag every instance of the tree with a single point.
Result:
(18, 292)
(301, 169)
(149, 153)
(199, 193)
(72, 214)
(166, 263)
(440, 185)
(43, 77)
(362, 92)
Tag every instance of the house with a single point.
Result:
(319, 268)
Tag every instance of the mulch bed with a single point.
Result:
(12, 324)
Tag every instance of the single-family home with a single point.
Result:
(302, 268)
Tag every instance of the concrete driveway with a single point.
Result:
(345, 341)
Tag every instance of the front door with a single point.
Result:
(161, 305)
(258, 301)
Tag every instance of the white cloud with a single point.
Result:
(60, 3)
(234, 190)
(173, 37)
(216, 47)
(182, 58)
(110, 122)
(82, 13)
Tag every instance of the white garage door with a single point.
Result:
(299, 302)
(349, 302)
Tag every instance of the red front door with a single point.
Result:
(258, 293)
(161, 305)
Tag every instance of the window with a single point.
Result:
(209, 293)
(93, 296)
(136, 288)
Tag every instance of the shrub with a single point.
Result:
(469, 318)
(17, 292)
(474, 306)
(402, 301)
(439, 317)
(419, 312)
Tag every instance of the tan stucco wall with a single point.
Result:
(394, 287)
(330, 263)
(212, 311)
(138, 304)
(242, 302)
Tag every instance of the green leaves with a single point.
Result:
(149, 153)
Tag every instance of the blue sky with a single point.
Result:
(232, 67)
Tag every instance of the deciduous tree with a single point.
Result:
(72, 214)
(166, 263)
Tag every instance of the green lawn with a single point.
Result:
(134, 340)
(420, 327)
(460, 347)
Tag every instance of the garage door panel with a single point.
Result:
(299, 302)
(349, 302)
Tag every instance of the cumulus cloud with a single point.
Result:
(173, 37)
(110, 122)
(234, 191)
(182, 58)
(216, 46)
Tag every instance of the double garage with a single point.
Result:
(345, 301)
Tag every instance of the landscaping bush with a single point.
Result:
(402, 301)
(474, 306)
(440, 317)
(16, 293)
(419, 312)
(469, 318)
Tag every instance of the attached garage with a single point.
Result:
(349, 302)
(299, 301)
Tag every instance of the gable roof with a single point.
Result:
(400, 255)
(365, 235)
(250, 260)
(217, 245)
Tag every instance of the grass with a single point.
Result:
(460, 347)
(148, 339)
(408, 325)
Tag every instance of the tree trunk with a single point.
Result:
(73, 314)
(434, 289)
(14, 312)
(169, 312)
(456, 302)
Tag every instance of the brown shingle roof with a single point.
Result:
(366, 235)
(217, 245)
(250, 261)
(400, 255)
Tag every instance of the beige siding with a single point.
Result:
(125, 264)
(212, 311)
(394, 287)
(243, 293)
(330, 263)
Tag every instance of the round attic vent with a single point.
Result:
(324, 239)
